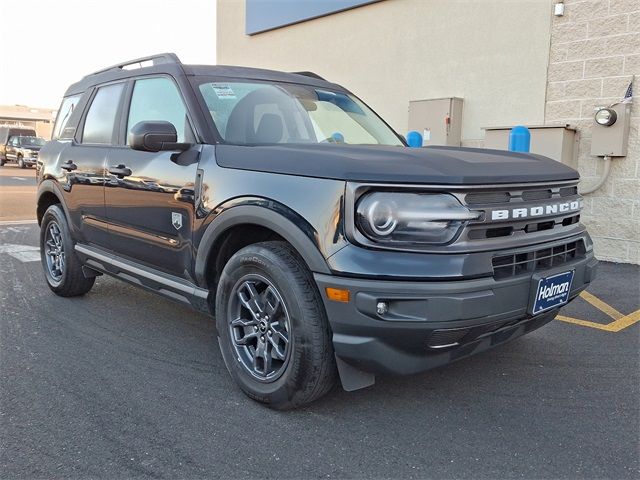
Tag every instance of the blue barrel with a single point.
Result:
(414, 139)
(519, 139)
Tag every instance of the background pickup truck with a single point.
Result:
(23, 150)
(6, 133)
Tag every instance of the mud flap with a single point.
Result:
(352, 378)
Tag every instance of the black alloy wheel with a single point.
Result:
(259, 327)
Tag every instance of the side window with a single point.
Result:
(64, 114)
(159, 99)
(101, 118)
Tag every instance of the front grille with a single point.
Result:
(515, 200)
(528, 195)
(446, 337)
(568, 191)
(487, 197)
(451, 337)
(511, 265)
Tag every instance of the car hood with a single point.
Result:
(430, 165)
(31, 147)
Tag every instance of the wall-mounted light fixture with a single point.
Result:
(605, 116)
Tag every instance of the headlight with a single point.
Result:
(430, 218)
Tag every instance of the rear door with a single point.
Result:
(83, 163)
(150, 208)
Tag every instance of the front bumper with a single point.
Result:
(431, 323)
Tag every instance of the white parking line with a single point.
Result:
(22, 179)
(24, 253)
(27, 256)
(17, 222)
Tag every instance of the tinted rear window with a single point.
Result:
(100, 122)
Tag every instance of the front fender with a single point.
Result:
(269, 214)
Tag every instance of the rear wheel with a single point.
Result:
(272, 327)
(62, 267)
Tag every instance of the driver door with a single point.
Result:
(149, 196)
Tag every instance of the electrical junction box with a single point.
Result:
(438, 120)
(612, 140)
(559, 142)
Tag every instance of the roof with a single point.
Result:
(23, 112)
(169, 63)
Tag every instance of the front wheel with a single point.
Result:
(62, 267)
(272, 327)
(21, 163)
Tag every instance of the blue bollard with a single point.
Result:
(519, 139)
(414, 139)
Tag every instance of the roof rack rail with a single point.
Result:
(309, 74)
(157, 59)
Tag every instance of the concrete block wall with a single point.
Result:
(594, 52)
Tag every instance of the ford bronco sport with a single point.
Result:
(285, 207)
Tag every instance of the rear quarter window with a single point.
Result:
(62, 118)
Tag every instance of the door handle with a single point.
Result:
(69, 166)
(120, 171)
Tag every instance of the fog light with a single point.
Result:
(382, 308)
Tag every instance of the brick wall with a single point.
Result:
(595, 50)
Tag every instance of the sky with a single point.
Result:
(50, 44)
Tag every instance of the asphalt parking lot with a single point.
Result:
(123, 384)
(17, 192)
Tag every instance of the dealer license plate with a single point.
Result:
(552, 292)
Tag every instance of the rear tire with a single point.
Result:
(62, 267)
(272, 327)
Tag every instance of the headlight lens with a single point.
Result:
(429, 218)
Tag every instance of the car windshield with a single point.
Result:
(31, 141)
(278, 113)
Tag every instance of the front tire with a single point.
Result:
(62, 267)
(272, 327)
(21, 163)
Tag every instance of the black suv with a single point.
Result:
(324, 245)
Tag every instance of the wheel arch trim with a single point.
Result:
(50, 186)
(262, 215)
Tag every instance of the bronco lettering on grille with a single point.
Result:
(537, 211)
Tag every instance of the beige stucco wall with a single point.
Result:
(595, 51)
(459, 48)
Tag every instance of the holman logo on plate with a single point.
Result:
(176, 220)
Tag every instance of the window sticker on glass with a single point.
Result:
(224, 91)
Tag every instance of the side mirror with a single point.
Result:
(414, 139)
(155, 136)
